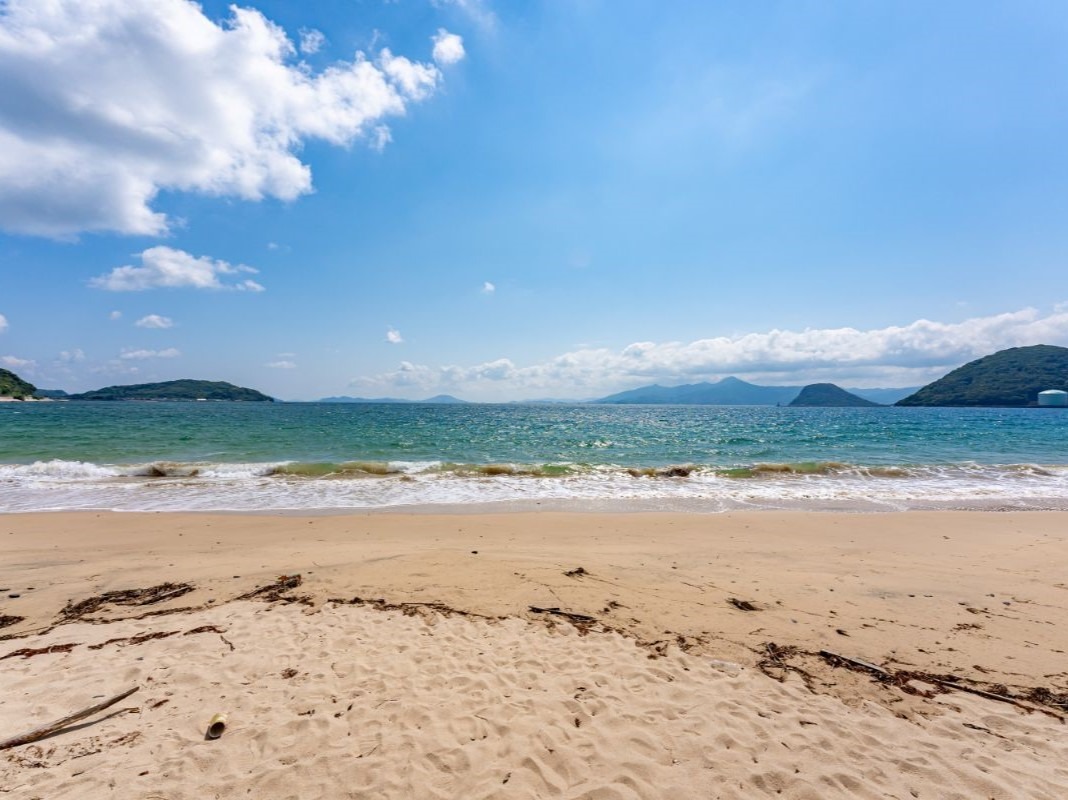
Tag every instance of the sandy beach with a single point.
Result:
(537, 655)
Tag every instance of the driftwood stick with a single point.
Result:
(167, 595)
(1001, 697)
(856, 662)
(566, 614)
(60, 724)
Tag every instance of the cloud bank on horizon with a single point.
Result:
(907, 355)
(107, 104)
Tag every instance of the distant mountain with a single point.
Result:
(884, 397)
(11, 385)
(52, 394)
(727, 392)
(438, 399)
(1012, 377)
(827, 395)
(185, 389)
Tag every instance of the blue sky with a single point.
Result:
(528, 199)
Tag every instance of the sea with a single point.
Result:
(344, 458)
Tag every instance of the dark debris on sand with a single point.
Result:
(277, 591)
(125, 597)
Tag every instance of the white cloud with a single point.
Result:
(115, 315)
(155, 321)
(488, 288)
(380, 137)
(283, 364)
(393, 336)
(107, 103)
(311, 41)
(165, 267)
(448, 47)
(17, 363)
(140, 355)
(70, 356)
(906, 355)
(3, 323)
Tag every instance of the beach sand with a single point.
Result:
(674, 655)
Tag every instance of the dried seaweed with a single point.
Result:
(410, 609)
(204, 629)
(138, 639)
(276, 592)
(775, 663)
(27, 652)
(125, 597)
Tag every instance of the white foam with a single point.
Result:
(58, 470)
(71, 485)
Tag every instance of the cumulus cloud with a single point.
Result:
(167, 268)
(155, 321)
(311, 41)
(115, 315)
(488, 288)
(71, 356)
(3, 323)
(141, 355)
(17, 363)
(894, 356)
(283, 364)
(448, 47)
(107, 103)
(393, 336)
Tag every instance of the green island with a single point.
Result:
(828, 395)
(184, 389)
(1011, 378)
(11, 385)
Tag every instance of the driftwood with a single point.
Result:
(1000, 697)
(60, 724)
(743, 605)
(902, 677)
(856, 662)
(565, 614)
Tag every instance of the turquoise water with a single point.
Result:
(253, 456)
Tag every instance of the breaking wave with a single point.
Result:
(352, 485)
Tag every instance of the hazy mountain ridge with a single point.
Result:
(734, 391)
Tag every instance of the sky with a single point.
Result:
(528, 200)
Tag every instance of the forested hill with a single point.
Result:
(11, 385)
(184, 389)
(827, 395)
(1012, 377)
